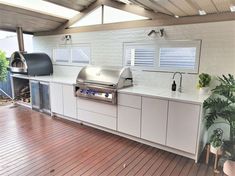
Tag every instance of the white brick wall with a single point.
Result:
(217, 53)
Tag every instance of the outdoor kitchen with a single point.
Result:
(117, 87)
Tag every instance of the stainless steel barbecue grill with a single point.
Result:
(102, 83)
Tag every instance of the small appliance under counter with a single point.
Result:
(40, 96)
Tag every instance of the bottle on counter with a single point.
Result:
(173, 87)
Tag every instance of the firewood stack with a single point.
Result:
(24, 94)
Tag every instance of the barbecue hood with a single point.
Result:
(101, 83)
(33, 64)
(113, 77)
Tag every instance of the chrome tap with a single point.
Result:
(180, 87)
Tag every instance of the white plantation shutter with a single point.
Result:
(61, 54)
(167, 55)
(177, 57)
(140, 55)
(77, 54)
(81, 54)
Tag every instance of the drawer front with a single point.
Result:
(129, 100)
(92, 106)
(97, 119)
(129, 120)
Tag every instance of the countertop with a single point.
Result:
(53, 78)
(190, 97)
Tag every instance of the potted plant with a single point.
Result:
(221, 105)
(203, 83)
(216, 141)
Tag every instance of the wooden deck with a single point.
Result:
(32, 143)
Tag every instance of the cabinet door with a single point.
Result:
(154, 120)
(69, 101)
(182, 126)
(56, 98)
(35, 94)
(129, 120)
(45, 97)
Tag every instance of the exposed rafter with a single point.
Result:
(126, 7)
(148, 23)
(68, 4)
(132, 9)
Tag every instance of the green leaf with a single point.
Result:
(3, 66)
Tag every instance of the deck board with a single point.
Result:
(32, 143)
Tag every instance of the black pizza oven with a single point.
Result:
(33, 64)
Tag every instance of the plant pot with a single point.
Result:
(204, 90)
(229, 168)
(216, 150)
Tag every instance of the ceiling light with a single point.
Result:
(202, 12)
(125, 1)
(232, 8)
(176, 16)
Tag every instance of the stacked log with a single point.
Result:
(24, 94)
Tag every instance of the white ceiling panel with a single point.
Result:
(222, 5)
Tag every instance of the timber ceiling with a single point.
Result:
(12, 17)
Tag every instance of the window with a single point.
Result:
(179, 56)
(93, 18)
(81, 54)
(113, 15)
(163, 55)
(110, 15)
(77, 54)
(140, 55)
(61, 54)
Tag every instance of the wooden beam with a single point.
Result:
(148, 23)
(13, 30)
(68, 4)
(125, 7)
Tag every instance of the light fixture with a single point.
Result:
(125, 1)
(154, 33)
(176, 16)
(67, 37)
(202, 12)
(232, 8)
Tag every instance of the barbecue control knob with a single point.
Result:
(106, 95)
(81, 91)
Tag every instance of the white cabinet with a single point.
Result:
(69, 101)
(97, 113)
(56, 94)
(154, 120)
(97, 119)
(182, 128)
(63, 101)
(98, 107)
(129, 100)
(129, 120)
